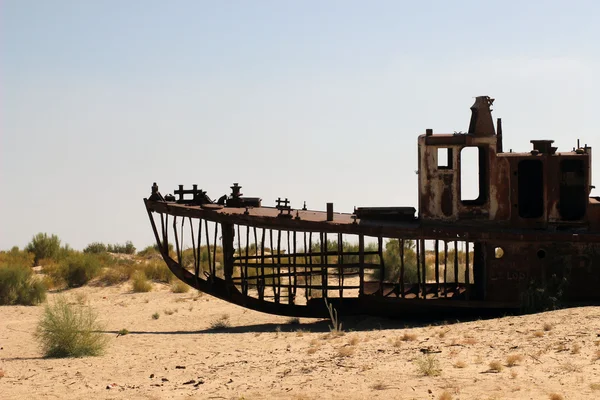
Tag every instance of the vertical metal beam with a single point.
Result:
(247, 281)
(437, 268)
(456, 267)
(381, 264)
(227, 234)
(467, 272)
(210, 270)
(445, 268)
(340, 261)
(361, 264)
(324, 268)
(401, 244)
(199, 253)
(261, 285)
(424, 268)
(418, 246)
(177, 248)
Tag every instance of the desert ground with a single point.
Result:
(553, 355)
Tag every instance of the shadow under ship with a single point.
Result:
(530, 236)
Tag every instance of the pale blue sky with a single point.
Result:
(312, 100)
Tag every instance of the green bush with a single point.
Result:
(127, 248)
(67, 330)
(17, 283)
(140, 283)
(180, 287)
(95, 248)
(44, 246)
(158, 271)
(78, 269)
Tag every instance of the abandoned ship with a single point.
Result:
(529, 239)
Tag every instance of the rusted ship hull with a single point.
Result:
(528, 241)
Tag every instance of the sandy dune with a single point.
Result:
(179, 356)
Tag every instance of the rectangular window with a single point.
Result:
(444, 158)
(531, 189)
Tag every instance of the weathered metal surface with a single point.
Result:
(531, 237)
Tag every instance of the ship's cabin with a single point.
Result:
(467, 177)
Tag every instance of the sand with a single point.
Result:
(179, 356)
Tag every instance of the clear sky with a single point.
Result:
(312, 100)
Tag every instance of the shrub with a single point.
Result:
(221, 323)
(44, 246)
(140, 283)
(70, 331)
(495, 366)
(180, 287)
(127, 248)
(19, 286)
(155, 315)
(95, 248)
(428, 365)
(78, 269)
(513, 359)
(158, 271)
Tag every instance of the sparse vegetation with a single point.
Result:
(221, 323)
(548, 326)
(576, 349)
(538, 334)
(460, 364)
(408, 337)
(76, 270)
(123, 332)
(556, 396)
(595, 386)
(336, 326)
(345, 351)
(69, 331)
(293, 321)
(379, 385)
(158, 271)
(180, 287)
(445, 396)
(95, 248)
(155, 315)
(44, 246)
(140, 283)
(17, 283)
(428, 365)
(496, 366)
(513, 359)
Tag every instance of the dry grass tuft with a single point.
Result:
(470, 340)
(443, 333)
(379, 386)
(220, 323)
(513, 374)
(496, 366)
(538, 334)
(353, 341)
(513, 359)
(346, 351)
(293, 321)
(576, 349)
(445, 396)
(556, 396)
(595, 386)
(139, 283)
(548, 326)
(408, 337)
(428, 365)
(180, 287)
(570, 367)
(300, 332)
(460, 364)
